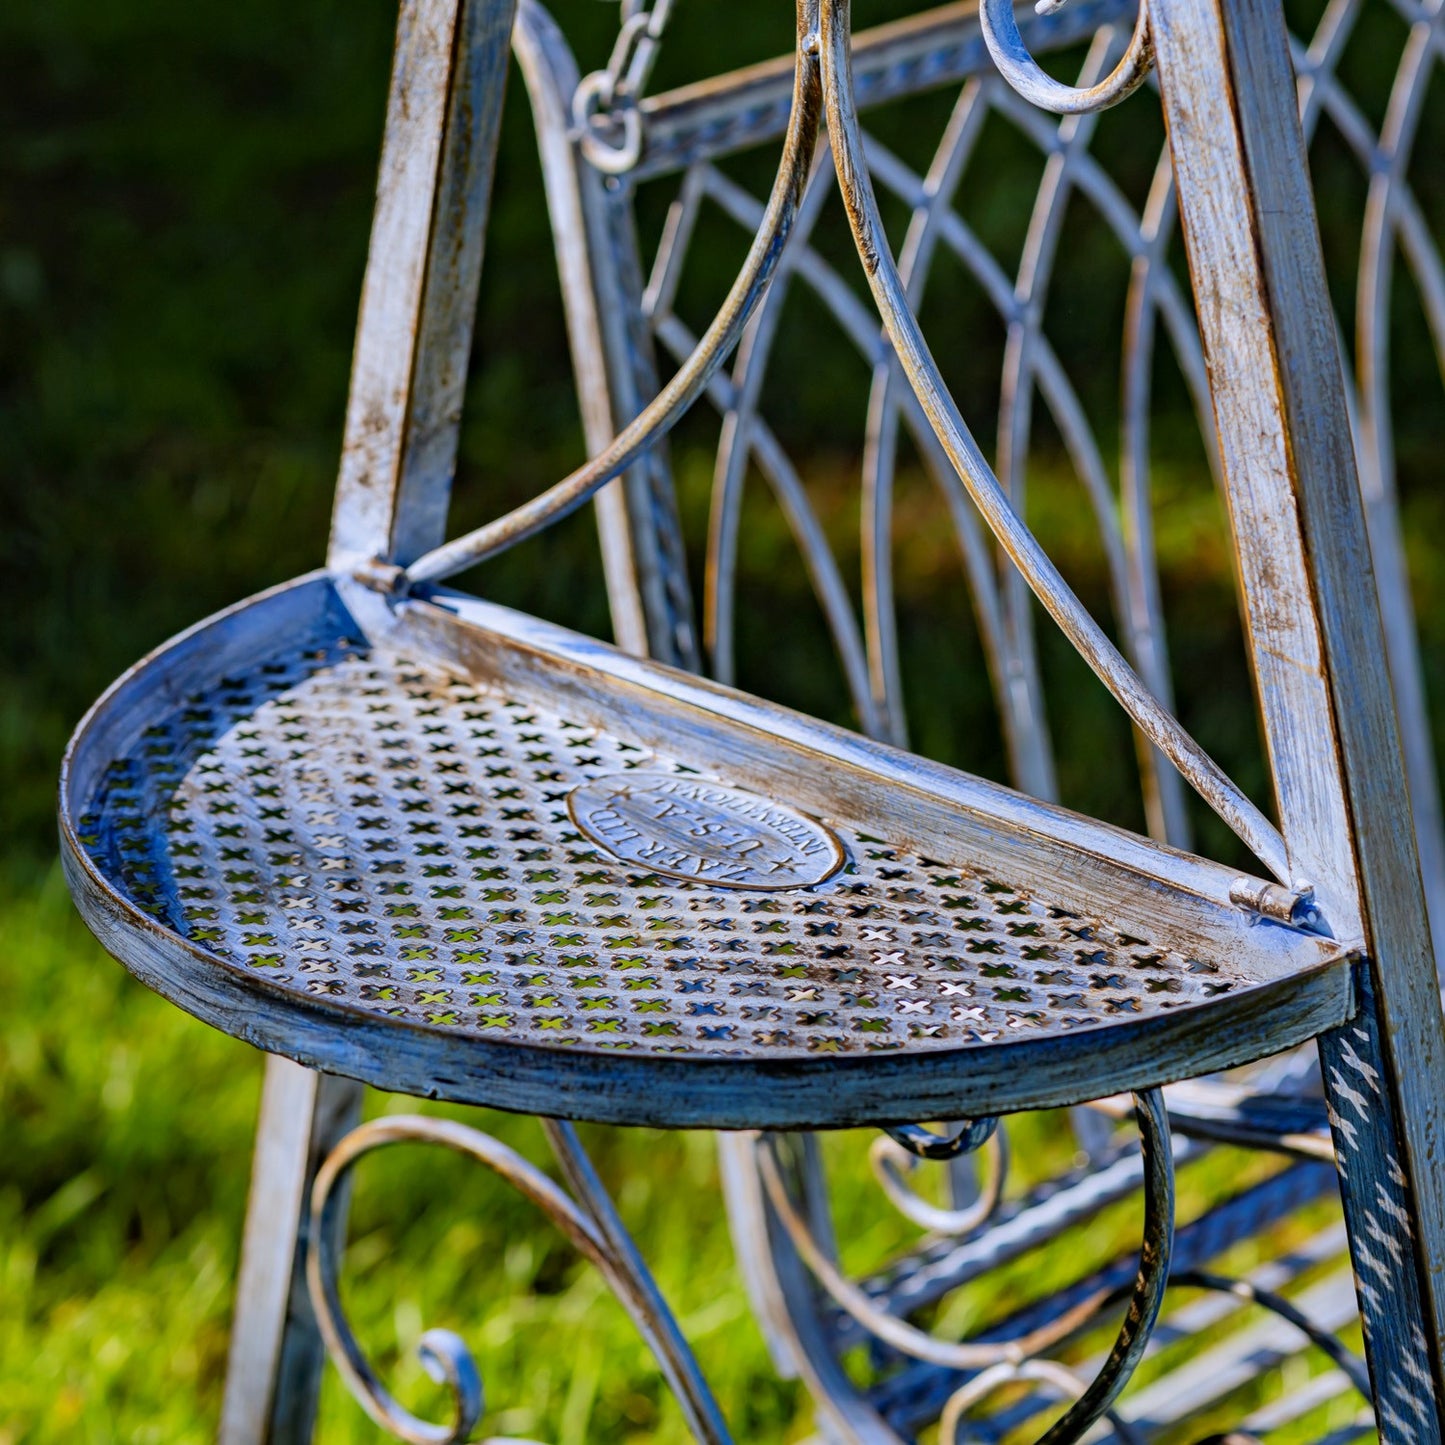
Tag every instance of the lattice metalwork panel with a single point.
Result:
(1370, 118)
(384, 834)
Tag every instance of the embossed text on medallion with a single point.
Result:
(687, 827)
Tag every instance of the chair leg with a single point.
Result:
(1383, 1220)
(273, 1374)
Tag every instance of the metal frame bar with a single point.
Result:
(597, 260)
(419, 297)
(273, 1371)
(1319, 651)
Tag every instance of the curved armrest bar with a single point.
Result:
(658, 418)
(1159, 726)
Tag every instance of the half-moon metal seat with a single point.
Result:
(485, 859)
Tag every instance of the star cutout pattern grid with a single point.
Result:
(378, 832)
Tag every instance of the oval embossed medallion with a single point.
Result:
(687, 827)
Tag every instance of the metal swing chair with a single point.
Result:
(403, 836)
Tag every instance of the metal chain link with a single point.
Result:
(605, 104)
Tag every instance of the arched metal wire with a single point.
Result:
(691, 378)
(585, 1216)
(1002, 609)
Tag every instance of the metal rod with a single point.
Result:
(588, 1221)
(653, 423)
(1213, 785)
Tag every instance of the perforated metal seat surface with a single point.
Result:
(368, 841)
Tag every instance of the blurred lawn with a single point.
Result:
(184, 200)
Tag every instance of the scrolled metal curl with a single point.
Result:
(1046, 1372)
(960, 1138)
(1145, 1295)
(591, 1226)
(1030, 80)
(887, 1154)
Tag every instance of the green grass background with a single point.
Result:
(184, 202)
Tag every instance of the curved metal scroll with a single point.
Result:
(1162, 729)
(1145, 1295)
(1047, 1372)
(961, 1138)
(586, 1217)
(658, 418)
(1023, 72)
(886, 1154)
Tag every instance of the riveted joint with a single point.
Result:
(381, 576)
(1293, 906)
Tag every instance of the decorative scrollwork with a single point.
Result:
(1046, 1372)
(961, 1138)
(1027, 76)
(1144, 1296)
(589, 1222)
(888, 1156)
